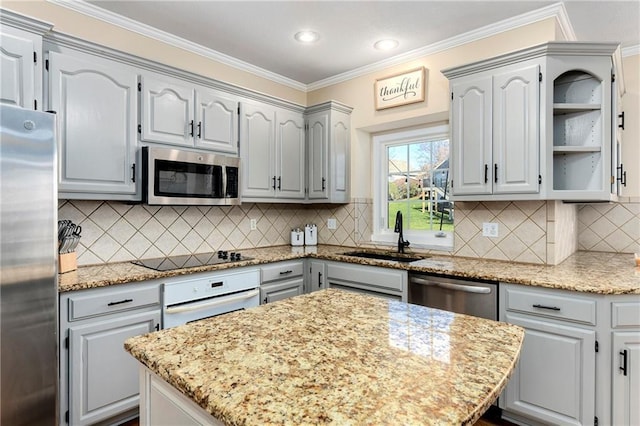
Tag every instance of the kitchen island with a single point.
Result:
(330, 357)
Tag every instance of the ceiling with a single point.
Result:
(259, 34)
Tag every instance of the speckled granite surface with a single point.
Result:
(334, 357)
(593, 272)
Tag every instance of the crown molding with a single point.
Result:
(556, 10)
(630, 51)
(96, 12)
(13, 19)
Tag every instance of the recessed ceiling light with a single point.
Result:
(386, 44)
(306, 36)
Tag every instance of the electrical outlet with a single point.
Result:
(331, 223)
(489, 229)
(253, 225)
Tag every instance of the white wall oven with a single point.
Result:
(180, 177)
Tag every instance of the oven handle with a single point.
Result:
(450, 286)
(196, 306)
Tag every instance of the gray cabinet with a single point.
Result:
(98, 378)
(176, 112)
(97, 104)
(329, 147)
(373, 280)
(281, 280)
(272, 150)
(21, 60)
(538, 123)
(317, 278)
(625, 366)
(495, 143)
(555, 380)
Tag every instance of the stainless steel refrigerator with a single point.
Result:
(28, 274)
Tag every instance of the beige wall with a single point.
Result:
(94, 30)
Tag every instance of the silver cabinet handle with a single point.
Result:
(196, 306)
(451, 286)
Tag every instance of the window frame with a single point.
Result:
(423, 239)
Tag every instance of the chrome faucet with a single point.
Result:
(398, 228)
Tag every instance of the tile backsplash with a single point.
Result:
(116, 232)
(543, 232)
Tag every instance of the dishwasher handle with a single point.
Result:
(452, 286)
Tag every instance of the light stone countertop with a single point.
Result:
(591, 272)
(335, 357)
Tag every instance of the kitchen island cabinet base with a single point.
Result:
(162, 404)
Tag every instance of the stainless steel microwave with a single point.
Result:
(180, 177)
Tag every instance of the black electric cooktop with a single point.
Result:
(191, 260)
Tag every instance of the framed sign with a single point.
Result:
(400, 89)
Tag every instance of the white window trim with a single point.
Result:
(381, 234)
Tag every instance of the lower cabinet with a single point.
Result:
(625, 371)
(317, 277)
(281, 280)
(554, 382)
(98, 378)
(377, 281)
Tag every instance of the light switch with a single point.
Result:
(489, 229)
(331, 223)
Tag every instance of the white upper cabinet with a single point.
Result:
(21, 60)
(96, 104)
(272, 152)
(329, 147)
(494, 131)
(176, 113)
(538, 123)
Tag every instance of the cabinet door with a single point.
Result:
(339, 149)
(216, 121)
(626, 378)
(96, 105)
(257, 151)
(318, 148)
(290, 141)
(103, 377)
(516, 119)
(318, 274)
(471, 135)
(554, 382)
(167, 111)
(283, 290)
(18, 70)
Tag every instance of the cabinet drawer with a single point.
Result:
(370, 275)
(546, 303)
(282, 270)
(625, 314)
(103, 302)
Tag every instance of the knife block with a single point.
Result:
(67, 262)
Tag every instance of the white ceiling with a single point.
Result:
(259, 34)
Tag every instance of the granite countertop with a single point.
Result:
(335, 357)
(591, 272)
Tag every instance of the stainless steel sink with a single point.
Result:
(398, 257)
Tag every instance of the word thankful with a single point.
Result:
(405, 88)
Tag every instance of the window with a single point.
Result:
(411, 176)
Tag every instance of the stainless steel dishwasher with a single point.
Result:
(471, 297)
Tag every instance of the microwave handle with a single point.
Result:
(224, 181)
